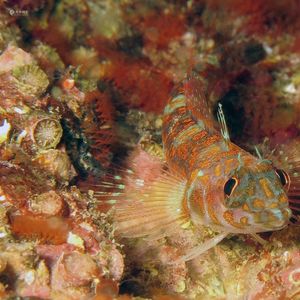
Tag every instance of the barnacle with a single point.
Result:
(30, 80)
(79, 268)
(47, 133)
(57, 163)
(48, 203)
(13, 58)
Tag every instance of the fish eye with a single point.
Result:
(230, 185)
(283, 177)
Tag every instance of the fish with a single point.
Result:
(204, 179)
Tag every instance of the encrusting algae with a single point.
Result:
(124, 177)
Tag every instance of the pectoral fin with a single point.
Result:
(154, 211)
(147, 200)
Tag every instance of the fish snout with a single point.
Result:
(275, 218)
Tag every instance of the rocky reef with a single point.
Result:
(83, 85)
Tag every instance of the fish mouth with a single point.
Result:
(277, 225)
(275, 219)
(271, 220)
(265, 227)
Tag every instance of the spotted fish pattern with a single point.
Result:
(227, 187)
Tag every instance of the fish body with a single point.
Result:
(205, 179)
(255, 200)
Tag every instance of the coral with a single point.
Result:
(53, 36)
(138, 83)
(266, 15)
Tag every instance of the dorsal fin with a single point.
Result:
(152, 211)
(223, 125)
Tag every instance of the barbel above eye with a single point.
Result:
(230, 186)
(283, 177)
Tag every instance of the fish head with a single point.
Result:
(255, 198)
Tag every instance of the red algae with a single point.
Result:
(262, 17)
(55, 37)
(140, 85)
(160, 30)
(138, 82)
(99, 126)
(107, 287)
(52, 230)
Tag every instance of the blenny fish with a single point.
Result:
(205, 179)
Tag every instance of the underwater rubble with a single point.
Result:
(83, 85)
